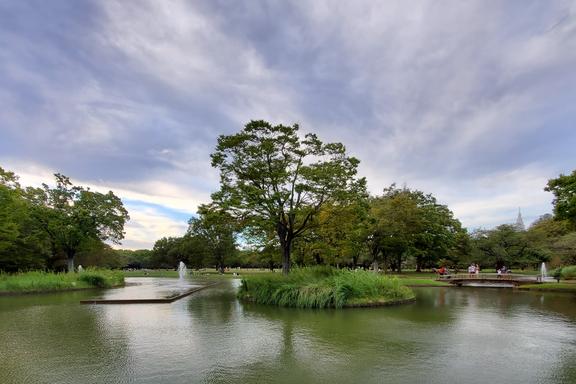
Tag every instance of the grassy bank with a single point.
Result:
(46, 282)
(323, 288)
(550, 287)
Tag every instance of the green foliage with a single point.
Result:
(566, 273)
(322, 287)
(39, 281)
(409, 223)
(275, 181)
(214, 228)
(23, 244)
(564, 189)
(505, 246)
(101, 278)
(45, 227)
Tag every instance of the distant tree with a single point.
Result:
(135, 259)
(167, 253)
(409, 223)
(276, 180)
(216, 230)
(564, 190)
(505, 246)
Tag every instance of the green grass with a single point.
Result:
(39, 281)
(322, 287)
(553, 287)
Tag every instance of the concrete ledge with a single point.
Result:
(164, 300)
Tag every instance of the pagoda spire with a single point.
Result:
(519, 225)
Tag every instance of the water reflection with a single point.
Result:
(449, 335)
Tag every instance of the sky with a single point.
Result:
(472, 101)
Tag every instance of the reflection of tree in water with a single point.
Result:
(563, 304)
(215, 305)
(54, 339)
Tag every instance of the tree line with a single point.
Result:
(290, 199)
(285, 199)
(50, 227)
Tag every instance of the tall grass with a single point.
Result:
(39, 281)
(323, 287)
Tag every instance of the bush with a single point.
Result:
(322, 287)
(569, 273)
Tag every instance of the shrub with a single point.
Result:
(569, 273)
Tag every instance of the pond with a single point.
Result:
(449, 335)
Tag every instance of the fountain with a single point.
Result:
(80, 269)
(543, 274)
(182, 270)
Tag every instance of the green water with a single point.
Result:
(450, 335)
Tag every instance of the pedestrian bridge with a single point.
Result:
(490, 279)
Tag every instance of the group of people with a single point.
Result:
(503, 271)
(473, 270)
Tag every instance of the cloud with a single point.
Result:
(146, 224)
(470, 101)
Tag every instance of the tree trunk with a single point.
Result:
(286, 257)
(418, 263)
(285, 238)
(375, 265)
(70, 264)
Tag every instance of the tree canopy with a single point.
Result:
(564, 189)
(273, 179)
(43, 224)
(411, 223)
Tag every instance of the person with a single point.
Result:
(471, 270)
(499, 272)
(477, 270)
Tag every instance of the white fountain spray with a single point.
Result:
(80, 269)
(182, 270)
(543, 273)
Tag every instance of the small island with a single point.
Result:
(324, 287)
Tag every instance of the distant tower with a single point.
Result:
(519, 225)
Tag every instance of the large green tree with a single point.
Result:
(564, 189)
(272, 178)
(409, 223)
(73, 216)
(23, 245)
(215, 228)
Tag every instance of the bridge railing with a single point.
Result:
(489, 276)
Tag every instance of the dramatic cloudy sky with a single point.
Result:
(473, 101)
